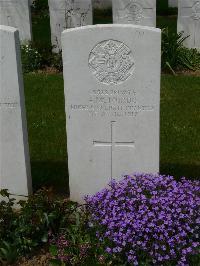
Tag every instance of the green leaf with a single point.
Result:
(55, 262)
(44, 238)
(4, 193)
(53, 250)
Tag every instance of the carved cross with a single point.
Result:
(112, 143)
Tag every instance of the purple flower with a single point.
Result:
(149, 213)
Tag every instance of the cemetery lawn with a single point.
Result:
(169, 22)
(180, 127)
(46, 127)
(41, 30)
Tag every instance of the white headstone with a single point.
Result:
(142, 12)
(112, 93)
(14, 152)
(68, 14)
(189, 22)
(16, 13)
(172, 3)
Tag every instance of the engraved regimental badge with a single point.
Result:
(196, 11)
(134, 12)
(111, 62)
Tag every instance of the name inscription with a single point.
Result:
(112, 103)
(8, 105)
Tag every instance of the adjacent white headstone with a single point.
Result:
(16, 13)
(189, 22)
(172, 3)
(14, 153)
(112, 93)
(68, 14)
(142, 12)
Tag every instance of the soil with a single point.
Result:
(41, 259)
(185, 73)
(190, 73)
(48, 70)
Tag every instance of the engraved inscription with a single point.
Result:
(196, 11)
(112, 103)
(74, 14)
(111, 62)
(72, 11)
(133, 12)
(8, 105)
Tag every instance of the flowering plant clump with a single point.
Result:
(66, 251)
(148, 216)
(31, 58)
(76, 244)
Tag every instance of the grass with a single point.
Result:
(41, 29)
(162, 8)
(180, 114)
(169, 22)
(46, 127)
(180, 127)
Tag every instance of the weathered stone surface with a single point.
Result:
(14, 152)
(112, 93)
(68, 14)
(142, 12)
(16, 13)
(173, 3)
(189, 22)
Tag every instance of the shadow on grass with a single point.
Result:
(55, 174)
(51, 174)
(181, 170)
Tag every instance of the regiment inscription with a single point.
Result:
(112, 103)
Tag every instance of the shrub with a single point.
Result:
(56, 61)
(148, 218)
(74, 245)
(175, 56)
(6, 213)
(48, 59)
(31, 58)
(23, 231)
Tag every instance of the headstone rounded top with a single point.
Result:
(111, 62)
(8, 28)
(112, 26)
